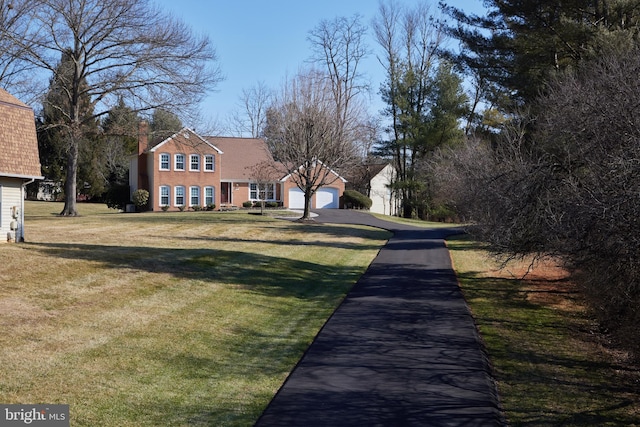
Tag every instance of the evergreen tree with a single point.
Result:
(120, 140)
(515, 48)
(164, 124)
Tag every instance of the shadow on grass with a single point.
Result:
(334, 231)
(548, 372)
(262, 273)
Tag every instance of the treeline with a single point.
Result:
(551, 167)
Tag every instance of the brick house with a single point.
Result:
(189, 170)
(182, 171)
(19, 163)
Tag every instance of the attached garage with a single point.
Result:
(327, 198)
(296, 198)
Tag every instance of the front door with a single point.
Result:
(225, 193)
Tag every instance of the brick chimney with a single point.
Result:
(143, 136)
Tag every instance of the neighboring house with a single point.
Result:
(49, 190)
(19, 163)
(189, 170)
(180, 172)
(380, 193)
(375, 180)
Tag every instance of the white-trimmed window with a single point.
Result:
(179, 198)
(195, 196)
(164, 161)
(268, 191)
(194, 162)
(209, 196)
(164, 195)
(179, 162)
(209, 163)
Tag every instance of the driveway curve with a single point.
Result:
(401, 350)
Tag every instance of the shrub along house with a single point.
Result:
(190, 171)
(19, 163)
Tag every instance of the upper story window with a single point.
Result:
(164, 162)
(209, 163)
(179, 162)
(194, 162)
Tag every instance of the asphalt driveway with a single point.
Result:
(401, 350)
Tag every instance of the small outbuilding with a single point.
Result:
(19, 163)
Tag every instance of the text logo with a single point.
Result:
(34, 415)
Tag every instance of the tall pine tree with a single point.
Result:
(519, 44)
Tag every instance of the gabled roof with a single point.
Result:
(366, 171)
(241, 155)
(322, 165)
(19, 156)
(186, 137)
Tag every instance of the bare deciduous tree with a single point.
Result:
(339, 47)
(251, 118)
(120, 49)
(303, 135)
(16, 73)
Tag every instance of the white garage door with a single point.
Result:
(296, 198)
(327, 198)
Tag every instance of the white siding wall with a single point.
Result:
(380, 192)
(10, 195)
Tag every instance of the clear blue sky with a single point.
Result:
(259, 40)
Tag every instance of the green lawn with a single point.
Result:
(192, 318)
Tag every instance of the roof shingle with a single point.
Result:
(241, 155)
(18, 140)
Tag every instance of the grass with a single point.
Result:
(550, 363)
(148, 319)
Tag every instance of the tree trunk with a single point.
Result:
(306, 215)
(70, 185)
